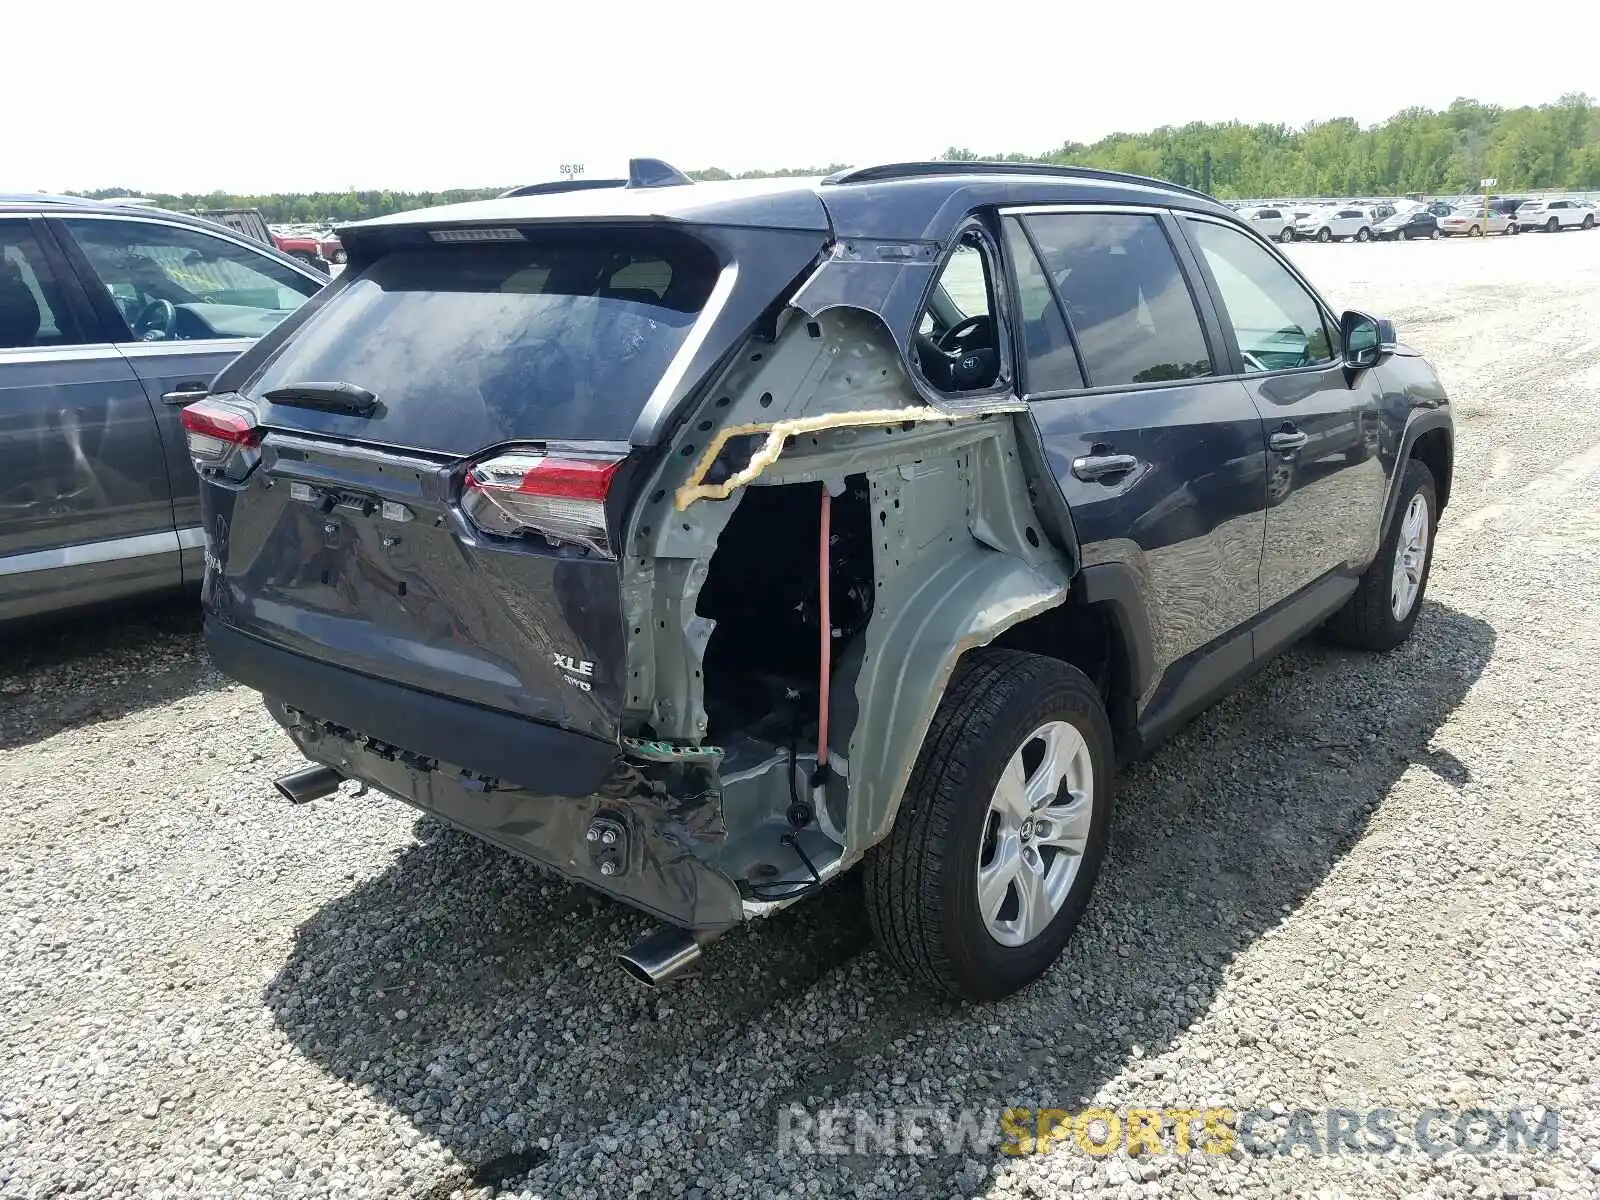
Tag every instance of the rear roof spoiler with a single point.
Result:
(642, 173)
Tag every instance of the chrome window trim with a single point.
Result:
(77, 352)
(189, 345)
(1032, 210)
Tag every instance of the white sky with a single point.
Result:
(260, 96)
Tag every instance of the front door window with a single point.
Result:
(1276, 322)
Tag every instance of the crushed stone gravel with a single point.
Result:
(1359, 882)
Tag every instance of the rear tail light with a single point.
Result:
(561, 498)
(222, 437)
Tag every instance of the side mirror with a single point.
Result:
(1365, 339)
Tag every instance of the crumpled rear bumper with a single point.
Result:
(657, 826)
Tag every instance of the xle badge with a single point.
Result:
(575, 671)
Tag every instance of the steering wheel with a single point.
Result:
(156, 322)
(958, 333)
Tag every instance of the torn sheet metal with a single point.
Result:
(665, 810)
(890, 279)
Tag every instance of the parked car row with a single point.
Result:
(1439, 219)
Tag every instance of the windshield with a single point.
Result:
(564, 337)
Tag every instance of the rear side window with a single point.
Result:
(1125, 295)
(1051, 362)
(32, 312)
(561, 337)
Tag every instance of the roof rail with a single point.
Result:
(920, 170)
(42, 198)
(642, 173)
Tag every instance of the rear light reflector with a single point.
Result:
(221, 436)
(561, 498)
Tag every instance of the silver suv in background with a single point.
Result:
(1346, 221)
(112, 317)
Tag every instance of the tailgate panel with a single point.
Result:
(313, 561)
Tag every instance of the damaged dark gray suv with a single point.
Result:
(703, 541)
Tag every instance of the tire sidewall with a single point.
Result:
(976, 956)
(1417, 479)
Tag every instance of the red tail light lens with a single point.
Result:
(559, 497)
(222, 436)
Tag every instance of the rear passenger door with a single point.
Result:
(1327, 483)
(1160, 461)
(181, 304)
(85, 510)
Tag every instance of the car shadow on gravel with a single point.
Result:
(100, 665)
(476, 997)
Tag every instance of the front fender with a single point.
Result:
(1421, 421)
(1414, 403)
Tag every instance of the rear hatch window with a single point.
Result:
(559, 337)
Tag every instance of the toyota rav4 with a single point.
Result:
(704, 541)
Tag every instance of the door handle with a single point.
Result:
(1099, 466)
(185, 393)
(1287, 441)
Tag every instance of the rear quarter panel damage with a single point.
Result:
(958, 554)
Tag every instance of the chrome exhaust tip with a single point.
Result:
(664, 955)
(313, 783)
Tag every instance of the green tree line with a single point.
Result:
(1552, 146)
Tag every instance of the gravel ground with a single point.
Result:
(1360, 882)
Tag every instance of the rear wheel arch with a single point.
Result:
(953, 605)
(1102, 629)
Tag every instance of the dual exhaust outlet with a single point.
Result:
(654, 960)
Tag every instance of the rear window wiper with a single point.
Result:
(329, 397)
